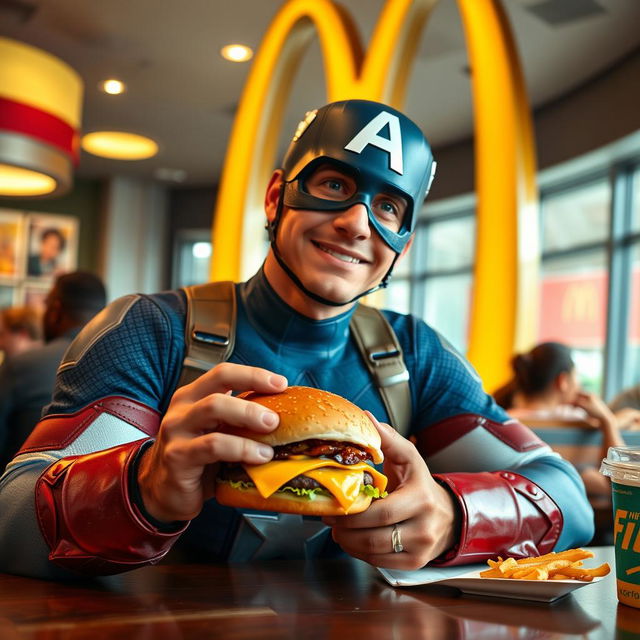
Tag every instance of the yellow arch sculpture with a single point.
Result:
(505, 272)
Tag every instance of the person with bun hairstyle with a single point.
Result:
(122, 467)
(545, 390)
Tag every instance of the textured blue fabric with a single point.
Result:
(141, 358)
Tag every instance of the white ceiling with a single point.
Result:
(183, 94)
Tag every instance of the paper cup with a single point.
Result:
(622, 465)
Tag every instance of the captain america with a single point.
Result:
(120, 469)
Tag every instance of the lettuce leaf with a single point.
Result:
(311, 494)
(239, 484)
(373, 492)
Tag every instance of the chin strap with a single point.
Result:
(272, 228)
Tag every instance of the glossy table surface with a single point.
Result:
(341, 598)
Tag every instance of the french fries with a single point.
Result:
(564, 565)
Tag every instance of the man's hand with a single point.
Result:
(423, 511)
(176, 474)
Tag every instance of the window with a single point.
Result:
(632, 369)
(192, 257)
(574, 278)
(590, 265)
(449, 244)
(441, 279)
(584, 210)
(573, 309)
(635, 207)
(447, 307)
(633, 337)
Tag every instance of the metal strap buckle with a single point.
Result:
(377, 355)
(210, 338)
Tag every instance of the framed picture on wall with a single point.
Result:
(52, 245)
(11, 244)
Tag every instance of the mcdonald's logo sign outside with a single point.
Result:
(573, 309)
(580, 303)
(505, 280)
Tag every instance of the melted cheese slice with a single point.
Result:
(341, 480)
(343, 485)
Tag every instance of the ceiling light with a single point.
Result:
(119, 145)
(113, 87)
(236, 53)
(40, 109)
(16, 182)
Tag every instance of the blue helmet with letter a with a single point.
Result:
(380, 147)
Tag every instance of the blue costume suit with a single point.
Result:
(467, 437)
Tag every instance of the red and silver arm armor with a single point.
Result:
(97, 447)
(502, 511)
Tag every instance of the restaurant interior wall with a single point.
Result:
(600, 111)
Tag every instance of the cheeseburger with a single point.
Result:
(324, 448)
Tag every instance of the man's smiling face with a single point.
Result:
(337, 255)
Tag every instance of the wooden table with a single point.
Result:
(342, 598)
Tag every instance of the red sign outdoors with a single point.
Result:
(573, 309)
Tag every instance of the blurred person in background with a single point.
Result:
(27, 378)
(627, 403)
(545, 391)
(20, 330)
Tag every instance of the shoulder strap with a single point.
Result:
(210, 328)
(382, 356)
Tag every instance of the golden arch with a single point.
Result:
(505, 273)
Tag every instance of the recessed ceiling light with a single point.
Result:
(15, 181)
(113, 87)
(119, 145)
(236, 53)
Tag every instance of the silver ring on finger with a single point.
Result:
(396, 540)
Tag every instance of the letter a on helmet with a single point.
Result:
(369, 135)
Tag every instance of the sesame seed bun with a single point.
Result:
(307, 413)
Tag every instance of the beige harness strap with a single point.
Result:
(210, 329)
(382, 356)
